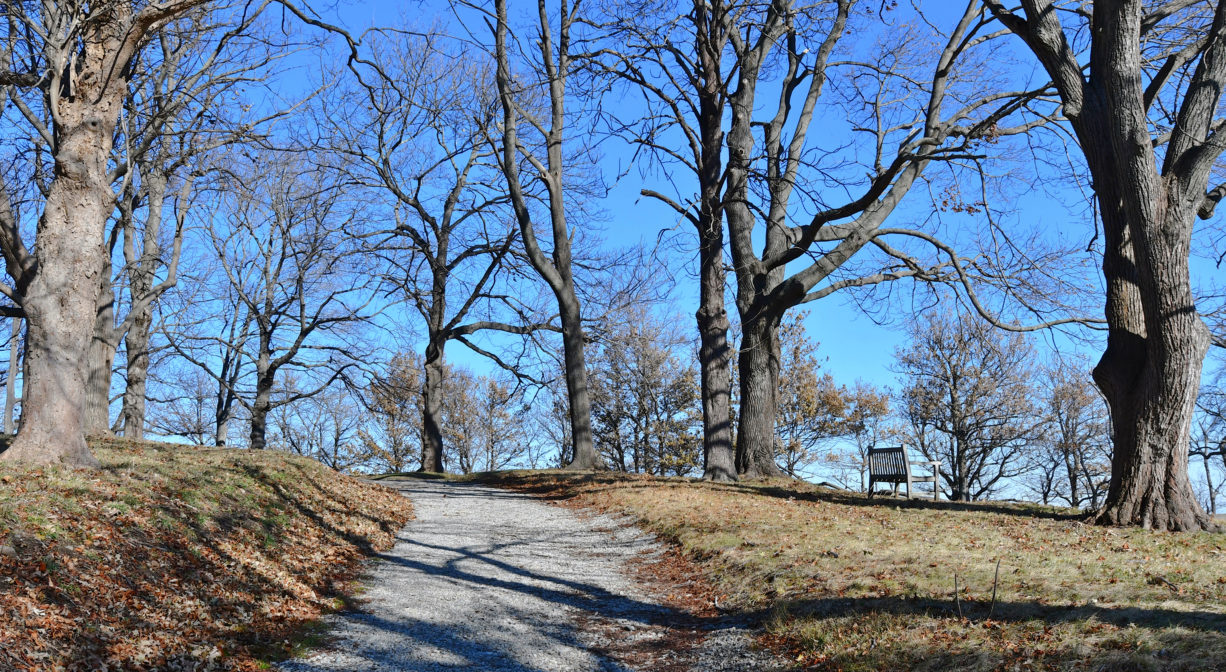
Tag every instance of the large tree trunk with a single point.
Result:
(60, 300)
(715, 358)
(759, 370)
(60, 303)
(585, 456)
(1156, 340)
(714, 355)
(1150, 372)
(101, 358)
(432, 409)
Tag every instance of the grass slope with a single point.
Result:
(177, 558)
(848, 583)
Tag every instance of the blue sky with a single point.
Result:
(854, 345)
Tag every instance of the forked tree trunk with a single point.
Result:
(1150, 372)
(759, 371)
(1156, 340)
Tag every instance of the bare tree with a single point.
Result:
(1141, 86)
(323, 426)
(412, 128)
(967, 396)
(911, 119)
(548, 167)
(1209, 439)
(1073, 459)
(72, 61)
(283, 246)
(180, 109)
(675, 54)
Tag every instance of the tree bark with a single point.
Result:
(84, 96)
(61, 300)
(557, 272)
(1150, 372)
(1156, 340)
(432, 409)
(759, 369)
(714, 354)
(258, 439)
(136, 344)
(100, 358)
(585, 457)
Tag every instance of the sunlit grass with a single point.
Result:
(844, 582)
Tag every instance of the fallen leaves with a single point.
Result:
(173, 558)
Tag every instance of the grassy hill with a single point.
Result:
(171, 557)
(848, 583)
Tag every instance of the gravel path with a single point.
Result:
(486, 579)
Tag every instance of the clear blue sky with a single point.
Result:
(854, 345)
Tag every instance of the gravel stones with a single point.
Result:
(487, 579)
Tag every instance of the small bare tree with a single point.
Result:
(1073, 460)
(553, 67)
(283, 246)
(967, 396)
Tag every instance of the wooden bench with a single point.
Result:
(891, 465)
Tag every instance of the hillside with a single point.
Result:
(848, 583)
(177, 558)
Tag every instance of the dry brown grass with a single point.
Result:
(848, 583)
(173, 558)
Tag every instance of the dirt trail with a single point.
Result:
(486, 579)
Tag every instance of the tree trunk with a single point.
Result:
(1156, 339)
(101, 358)
(714, 355)
(432, 409)
(759, 369)
(10, 384)
(60, 302)
(259, 412)
(585, 456)
(136, 343)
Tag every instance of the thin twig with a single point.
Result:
(995, 580)
(957, 600)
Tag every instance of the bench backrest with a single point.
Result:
(890, 461)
